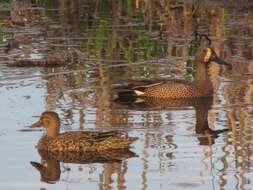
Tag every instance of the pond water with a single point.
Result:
(104, 44)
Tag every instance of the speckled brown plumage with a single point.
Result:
(82, 141)
(176, 89)
(78, 141)
(200, 87)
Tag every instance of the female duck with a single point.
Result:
(77, 141)
(200, 87)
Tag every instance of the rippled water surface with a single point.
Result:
(103, 44)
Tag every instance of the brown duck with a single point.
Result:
(200, 87)
(78, 141)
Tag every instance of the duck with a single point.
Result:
(201, 86)
(78, 141)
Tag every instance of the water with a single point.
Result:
(104, 44)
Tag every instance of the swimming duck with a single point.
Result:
(200, 87)
(77, 141)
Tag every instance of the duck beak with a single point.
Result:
(37, 124)
(217, 59)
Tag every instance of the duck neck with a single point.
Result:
(202, 76)
(53, 130)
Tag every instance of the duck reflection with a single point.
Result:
(50, 169)
(205, 135)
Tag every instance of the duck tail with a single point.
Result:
(139, 93)
(125, 143)
(117, 143)
(132, 139)
(130, 91)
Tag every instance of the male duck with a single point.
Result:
(77, 141)
(200, 87)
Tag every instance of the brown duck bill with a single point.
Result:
(37, 124)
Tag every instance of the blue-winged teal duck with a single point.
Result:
(77, 141)
(200, 87)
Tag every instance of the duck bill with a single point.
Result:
(219, 60)
(37, 124)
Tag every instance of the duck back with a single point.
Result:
(84, 141)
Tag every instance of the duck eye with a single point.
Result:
(45, 121)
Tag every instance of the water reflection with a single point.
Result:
(50, 169)
(206, 135)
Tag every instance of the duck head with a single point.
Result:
(207, 55)
(50, 121)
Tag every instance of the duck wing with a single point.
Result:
(137, 87)
(134, 84)
(81, 141)
(89, 136)
(101, 136)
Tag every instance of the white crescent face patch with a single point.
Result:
(208, 55)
